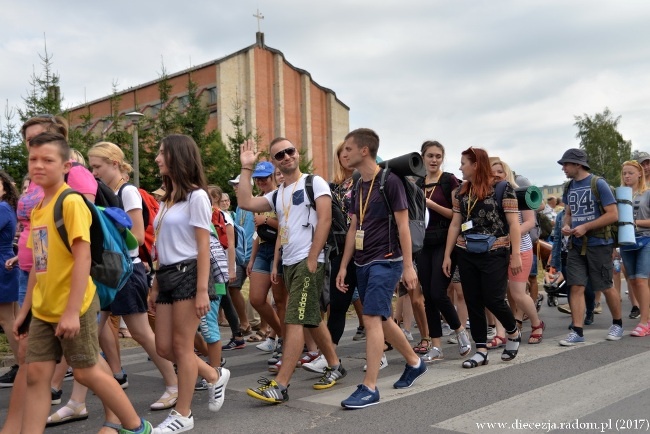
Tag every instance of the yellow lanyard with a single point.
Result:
(470, 205)
(286, 209)
(363, 208)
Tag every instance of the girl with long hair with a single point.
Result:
(637, 258)
(438, 186)
(484, 235)
(183, 286)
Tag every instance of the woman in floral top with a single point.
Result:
(477, 212)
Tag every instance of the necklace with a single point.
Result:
(429, 189)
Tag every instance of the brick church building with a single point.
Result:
(275, 98)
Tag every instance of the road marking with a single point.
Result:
(565, 400)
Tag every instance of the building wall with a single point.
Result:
(274, 97)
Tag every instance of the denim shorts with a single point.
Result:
(23, 277)
(376, 282)
(240, 278)
(264, 259)
(637, 262)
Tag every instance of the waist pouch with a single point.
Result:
(479, 243)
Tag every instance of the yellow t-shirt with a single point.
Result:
(52, 260)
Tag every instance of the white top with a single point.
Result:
(176, 240)
(131, 199)
(228, 218)
(302, 218)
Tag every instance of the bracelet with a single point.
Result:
(247, 168)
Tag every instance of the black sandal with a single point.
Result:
(474, 361)
(511, 349)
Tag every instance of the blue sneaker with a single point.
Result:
(361, 398)
(572, 339)
(409, 375)
(615, 333)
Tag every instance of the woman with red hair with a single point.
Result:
(484, 236)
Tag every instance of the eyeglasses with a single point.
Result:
(280, 155)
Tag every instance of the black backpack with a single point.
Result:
(105, 197)
(416, 210)
(338, 229)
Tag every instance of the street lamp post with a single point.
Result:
(134, 117)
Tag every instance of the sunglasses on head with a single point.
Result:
(280, 155)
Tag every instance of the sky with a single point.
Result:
(509, 76)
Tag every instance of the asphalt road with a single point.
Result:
(597, 387)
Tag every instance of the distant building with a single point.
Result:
(276, 99)
(552, 190)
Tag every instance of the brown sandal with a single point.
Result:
(259, 336)
(536, 338)
(496, 342)
(422, 347)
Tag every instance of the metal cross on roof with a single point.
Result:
(259, 17)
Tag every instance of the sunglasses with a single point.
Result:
(280, 155)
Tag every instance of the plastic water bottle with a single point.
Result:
(617, 265)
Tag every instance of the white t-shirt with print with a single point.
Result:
(176, 240)
(131, 199)
(302, 218)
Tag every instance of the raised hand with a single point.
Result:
(248, 154)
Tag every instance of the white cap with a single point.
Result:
(236, 181)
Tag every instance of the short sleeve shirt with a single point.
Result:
(302, 219)
(52, 260)
(131, 199)
(642, 212)
(486, 216)
(176, 225)
(378, 245)
(584, 206)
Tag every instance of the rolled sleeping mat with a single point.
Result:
(625, 216)
(528, 197)
(406, 165)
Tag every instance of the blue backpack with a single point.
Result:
(240, 244)
(111, 262)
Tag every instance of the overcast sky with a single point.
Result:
(508, 76)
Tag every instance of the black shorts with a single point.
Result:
(132, 298)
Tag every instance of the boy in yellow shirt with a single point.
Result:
(61, 297)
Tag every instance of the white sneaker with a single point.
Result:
(267, 346)
(318, 365)
(175, 423)
(408, 334)
(491, 333)
(217, 392)
(382, 364)
(446, 330)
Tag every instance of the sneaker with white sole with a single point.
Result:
(446, 330)
(410, 374)
(361, 398)
(318, 365)
(201, 384)
(217, 391)
(330, 377)
(382, 363)
(308, 357)
(360, 335)
(175, 423)
(615, 333)
(267, 346)
(408, 334)
(572, 339)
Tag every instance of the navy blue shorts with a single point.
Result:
(132, 298)
(376, 282)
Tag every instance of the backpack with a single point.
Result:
(104, 197)
(416, 210)
(150, 208)
(219, 222)
(609, 232)
(240, 244)
(111, 264)
(544, 224)
(338, 229)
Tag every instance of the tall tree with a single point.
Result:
(45, 93)
(604, 144)
(13, 153)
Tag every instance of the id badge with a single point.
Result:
(284, 235)
(358, 240)
(466, 226)
(154, 256)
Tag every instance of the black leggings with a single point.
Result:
(485, 278)
(340, 301)
(434, 288)
(231, 314)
